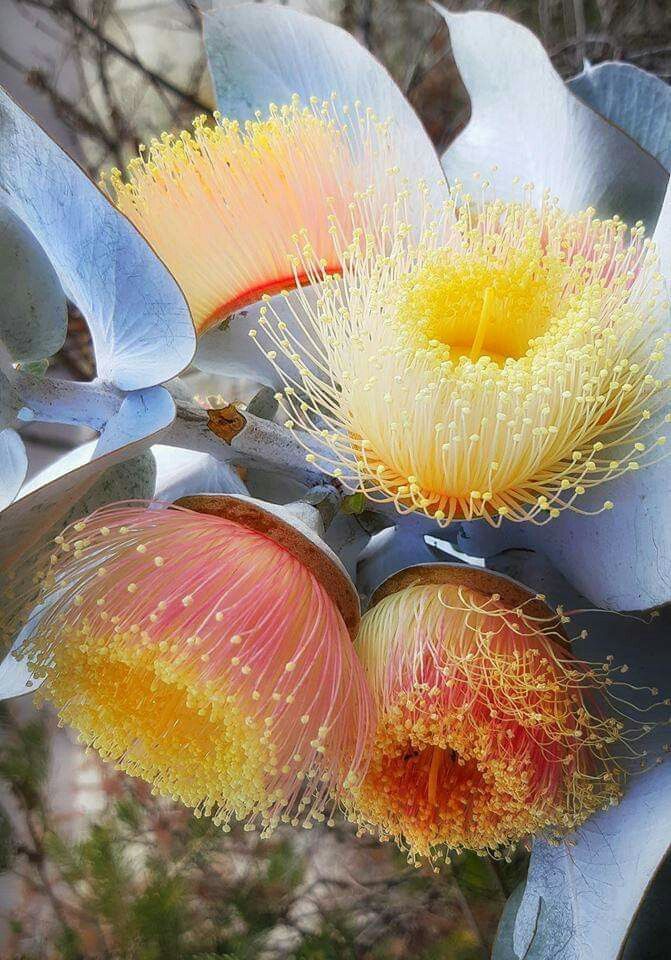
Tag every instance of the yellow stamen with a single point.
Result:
(489, 730)
(224, 204)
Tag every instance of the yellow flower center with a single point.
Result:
(488, 303)
(153, 721)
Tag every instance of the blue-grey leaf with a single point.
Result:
(140, 323)
(527, 123)
(181, 472)
(262, 54)
(582, 895)
(33, 312)
(130, 480)
(637, 101)
(650, 934)
(142, 414)
(13, 466)
(503, 945)
(641, 642)
(662, 239)
(10, 401)
(230, 351)
(139, 422)
(394, 548)
(16, 678)
(621, 558)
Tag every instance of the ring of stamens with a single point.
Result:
(155, 641)
(499, 363)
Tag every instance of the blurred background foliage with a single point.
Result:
(114, 73)
(91, 865)
(129, 876)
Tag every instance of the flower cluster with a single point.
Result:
(205, 651)
(486, 355)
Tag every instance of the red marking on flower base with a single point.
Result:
(254, 294)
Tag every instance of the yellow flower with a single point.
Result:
(499, 362)
(223, 205)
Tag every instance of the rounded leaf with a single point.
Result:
(139, 321)
(266, 53)
(13, 466)
(528, 124)
(636, 101)
(33, 311)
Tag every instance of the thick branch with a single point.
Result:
(237, 437)
(226, 434)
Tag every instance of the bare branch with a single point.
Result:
(65, 7)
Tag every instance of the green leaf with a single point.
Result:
(6, 841)
(69, 945)
(160, 918)
(129, 813)
(24, 760)
(353, 504)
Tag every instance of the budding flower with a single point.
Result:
(489, 729)
(195, 679)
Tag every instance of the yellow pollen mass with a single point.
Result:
(485, 302)
(500, 361)
(152, 721)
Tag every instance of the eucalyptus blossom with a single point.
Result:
(475, 346)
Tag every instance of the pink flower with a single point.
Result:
(203, 656)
